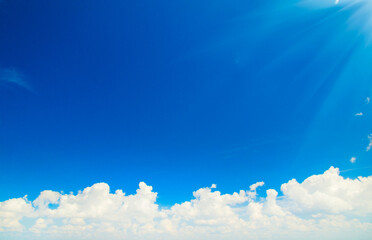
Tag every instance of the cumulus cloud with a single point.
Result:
(330, 193)
(325, 206)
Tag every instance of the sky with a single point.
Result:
(217, 119)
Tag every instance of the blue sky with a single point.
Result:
(181, 94)
(188, 93)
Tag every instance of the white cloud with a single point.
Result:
(12, 211)
(40, 224)
(359, 114)
(253, 187)
(325, 206)
(368, 100)
(252, 193)
(370, 142)
(330, 193)
(353, 159)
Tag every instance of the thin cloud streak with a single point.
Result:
(12, 76)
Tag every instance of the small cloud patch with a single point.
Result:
(370, 142)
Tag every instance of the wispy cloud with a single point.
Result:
(359, 114)
(355, 169)
(12, 76)
(368, 100)
(370, 142)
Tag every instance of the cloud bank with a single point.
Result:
(325, 206)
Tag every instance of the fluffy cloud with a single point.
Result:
(327, 206)
(330, 193)
(12, 211)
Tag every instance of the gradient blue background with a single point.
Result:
(179, 94)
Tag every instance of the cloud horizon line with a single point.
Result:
(327, 205)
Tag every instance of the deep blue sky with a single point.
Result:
(179, 94)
